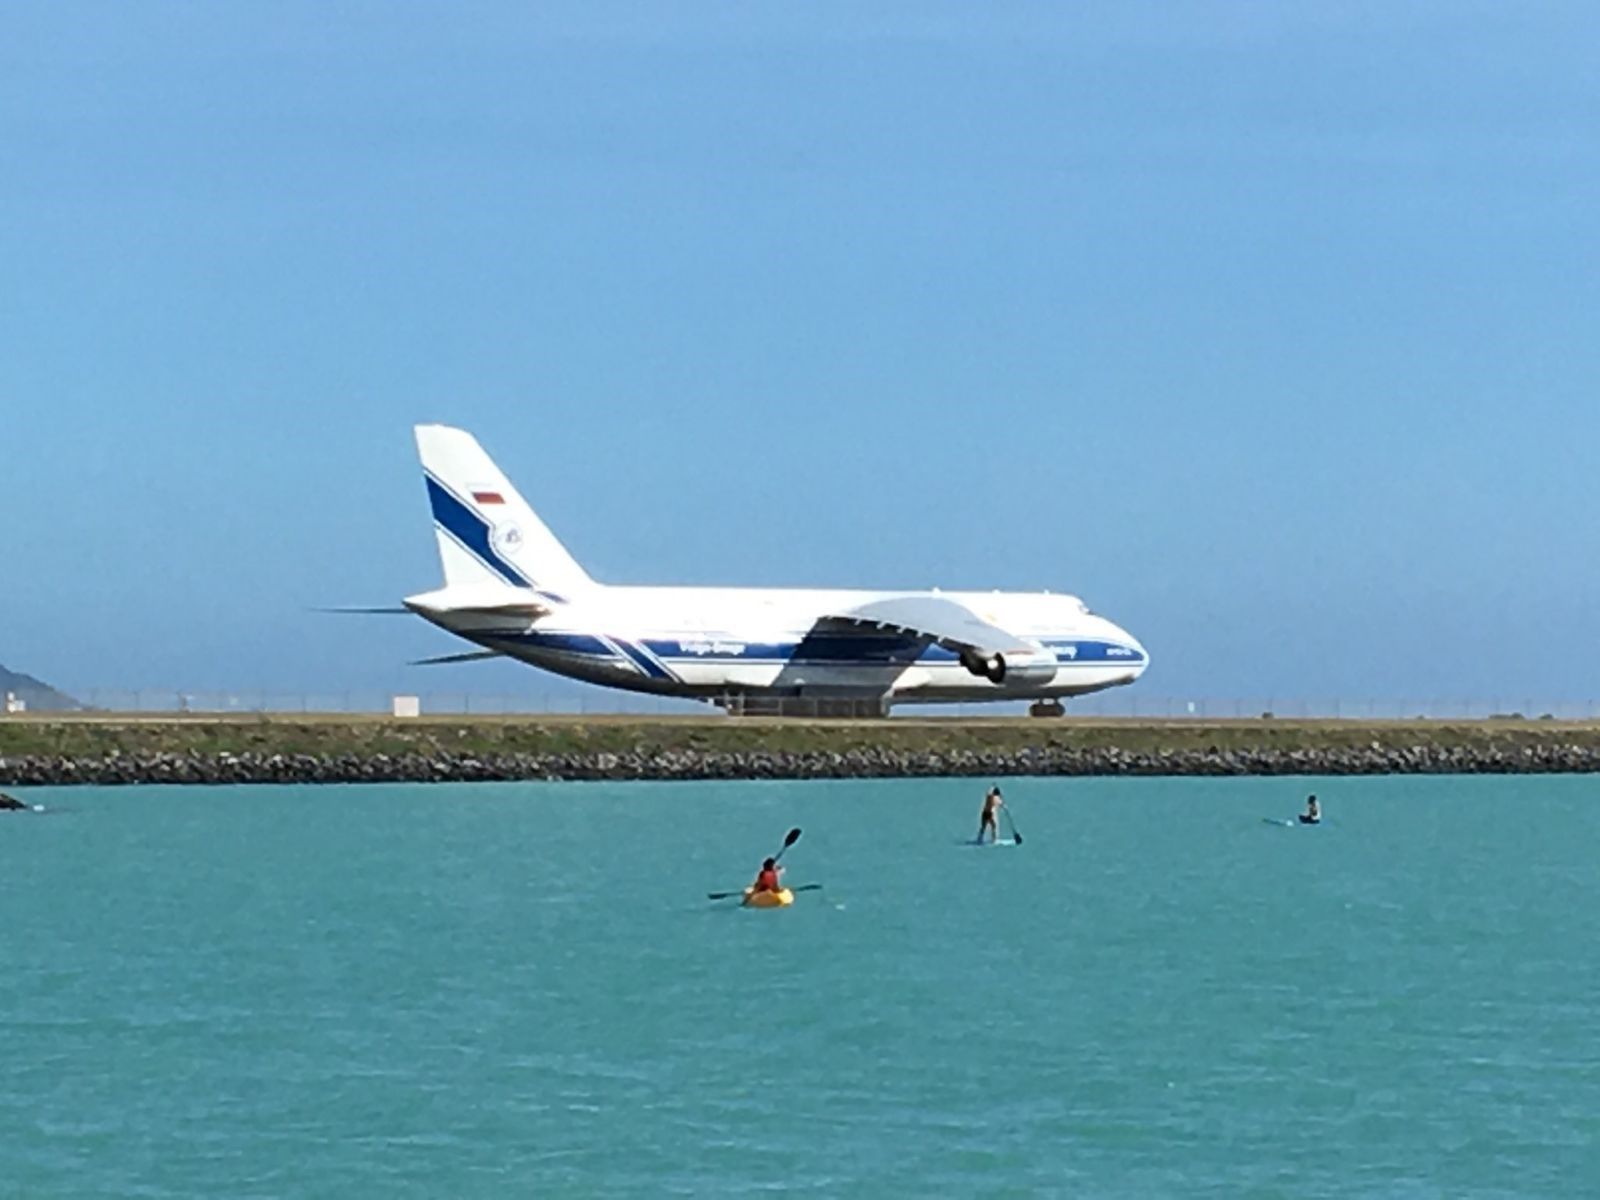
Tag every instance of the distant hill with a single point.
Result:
(39, 697)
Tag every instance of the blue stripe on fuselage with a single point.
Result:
(1091, 650)
(656, 656)
(619, 651)
(566, 643)
(873, 649)
(643, 659)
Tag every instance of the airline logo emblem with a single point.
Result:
(487, 497)
(507, 539)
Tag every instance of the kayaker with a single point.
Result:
(767, 878)
(990, 821)
(1313, 812)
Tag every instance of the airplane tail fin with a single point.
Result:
(487, 533)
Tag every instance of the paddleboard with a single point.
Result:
(1293, 823)
(986, 842)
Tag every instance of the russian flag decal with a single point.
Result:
(488, 497)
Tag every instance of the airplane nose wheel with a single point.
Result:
(1047, 708)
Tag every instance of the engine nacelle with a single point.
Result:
(1024, 668)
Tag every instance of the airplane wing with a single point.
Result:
(985, 648)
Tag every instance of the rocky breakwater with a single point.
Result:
(1409, 755)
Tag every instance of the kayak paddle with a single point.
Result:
(804, 887)
(1012, 821)
(789, 839)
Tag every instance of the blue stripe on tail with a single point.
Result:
(471, 531)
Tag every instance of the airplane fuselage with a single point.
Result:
(712, 642)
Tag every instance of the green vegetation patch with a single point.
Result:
(100, 737)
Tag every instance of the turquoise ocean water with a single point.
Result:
(520, 990)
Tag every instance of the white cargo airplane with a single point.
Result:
(512, 588)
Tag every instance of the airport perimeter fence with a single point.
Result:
(1121, 703)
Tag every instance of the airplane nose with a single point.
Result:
(1142, 656)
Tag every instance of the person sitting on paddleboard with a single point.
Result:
(990, 821)
(767, 878)
(1313, 812)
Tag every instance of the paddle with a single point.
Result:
(804, 887)
(1012, 821)
(789, 839)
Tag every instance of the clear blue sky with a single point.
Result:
(1272, 331)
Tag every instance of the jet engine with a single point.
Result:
(1019, 668)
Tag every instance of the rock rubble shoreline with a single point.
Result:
(434, 766)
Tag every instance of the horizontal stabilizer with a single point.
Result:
(470, 656)
(348, 609)
(490, 600)
(528, 609)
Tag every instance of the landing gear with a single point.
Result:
(813, 707)
(1047, 708)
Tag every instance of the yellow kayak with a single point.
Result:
(781, 898)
